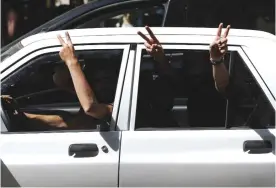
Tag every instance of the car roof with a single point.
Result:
(156, 30)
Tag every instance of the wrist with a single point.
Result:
(216, 58)
(71, 62)
(216, 61)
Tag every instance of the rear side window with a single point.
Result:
(185, 97)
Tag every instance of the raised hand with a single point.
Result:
(218, 47)
(153, 46)
(67, 53)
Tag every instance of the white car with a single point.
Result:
(240, 152)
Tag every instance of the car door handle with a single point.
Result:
(83, 150)
(257, 146)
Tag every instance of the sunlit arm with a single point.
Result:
(51, 120)
(86, 95)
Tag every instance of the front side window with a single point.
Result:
(43, 86)
(186, 96)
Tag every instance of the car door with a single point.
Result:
(236, 153)
(79, 157)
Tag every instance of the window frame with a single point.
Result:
(120, 82)
(231, 48)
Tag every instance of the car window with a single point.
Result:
(186, 97)
(45, 94)
(137, 17)
(40, 81)
(249, 105)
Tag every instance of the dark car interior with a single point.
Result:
(178, 60)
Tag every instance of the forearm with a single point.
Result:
(221, 77)
(163, 66)
(52, 120)
(84, 92)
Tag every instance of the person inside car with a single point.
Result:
(206, 95)
(94, 110)
(71, 78)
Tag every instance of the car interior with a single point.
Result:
(179, 109)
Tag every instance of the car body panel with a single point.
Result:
(42, 159)
(194, 158)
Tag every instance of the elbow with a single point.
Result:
(87, 109)
(91, 110)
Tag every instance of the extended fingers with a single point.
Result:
(143, 36)
(61, 41)
(68, 38)
(151, 34)
(226, 31)
(219, 30)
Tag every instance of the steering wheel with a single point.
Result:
(14, 119)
